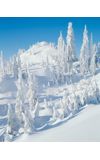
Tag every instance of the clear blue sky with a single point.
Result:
(18, 33)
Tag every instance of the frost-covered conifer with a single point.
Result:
(20, 98)
(32, 91)
(70, 49)
(61, 58)
(84, 53)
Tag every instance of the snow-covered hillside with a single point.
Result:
(83, 127)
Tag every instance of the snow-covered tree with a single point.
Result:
(10, 120)
(96, 91)
(60, 59)
(70, 49)
(54, 74)
(93, 60)
(32, 91)
(65, 103)
(84, 53)
(20, 98)
(54, 113)
(28, 121)
(61, 45)
(12, 124)
(16, 65)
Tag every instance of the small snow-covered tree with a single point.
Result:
(93, 60)
(54, 75)
(54, 113)
(96, 91)
(12, 124)
(10, 120)
(28, 121)
(84, 53)
(65, 103)
(70, 49)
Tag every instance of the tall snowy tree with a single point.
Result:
(61, 58)
(32, 91)
(84, 53)
(61, 46)
(70, 49)
(93, 60)
(19, 107)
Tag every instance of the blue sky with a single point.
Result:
(18, 33)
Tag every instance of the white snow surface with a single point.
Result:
(83, 127)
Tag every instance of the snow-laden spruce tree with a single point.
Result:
(28, 121)
(12, 124)
(93, 91)
(93, 60)
(20, 98)
(60, 59)
(10, 120)
(70, 49)
(32, 91)
(84, 53)
(16, 65)
(65, 102)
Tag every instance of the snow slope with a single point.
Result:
(83, 127)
